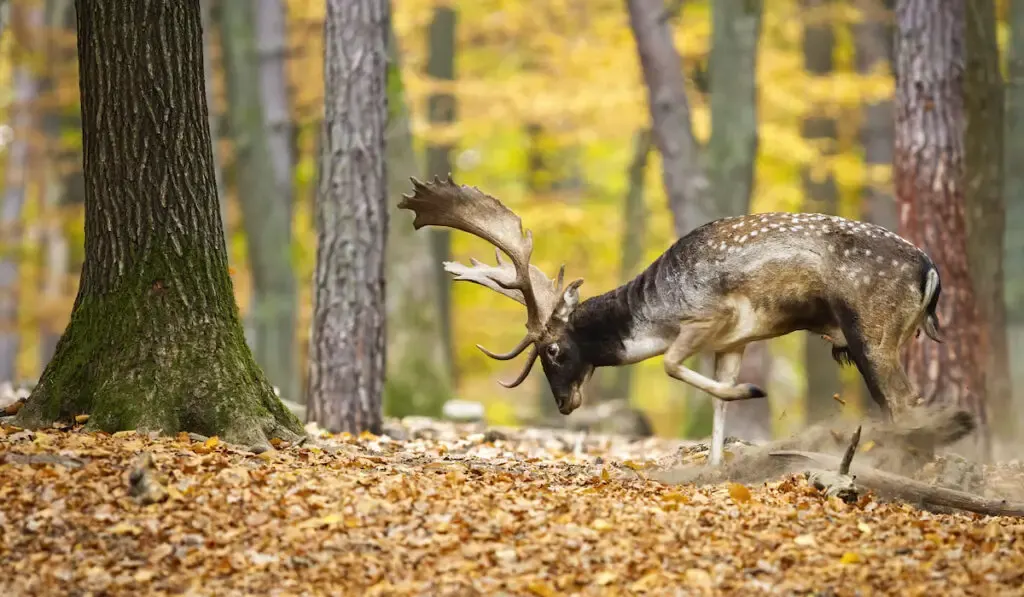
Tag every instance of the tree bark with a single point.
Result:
(873, 52)
(28, 23)
(929, 159)
(347, 350)
(441, 110)
(1014, 193)
(154, 341)
(417, 364)
(820, 195)
(985, 208)
(686, 184)
(263, 179)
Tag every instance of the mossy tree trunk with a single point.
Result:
(347, 348)
(154, 341)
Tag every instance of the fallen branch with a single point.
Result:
(841, 484)
(903, 488)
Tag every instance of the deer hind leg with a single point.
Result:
(727, 369)
(877, 358)
(692, 338)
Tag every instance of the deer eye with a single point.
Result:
(552, 350)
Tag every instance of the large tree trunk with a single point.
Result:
(873, 53)
(1014, 185)
(686, 184)
(929, 154)
(417, 363)
(441, 110)
(28, 26)
(985, 208)
(346, 356)
(264, 193)
(820, 195)
(154, 341)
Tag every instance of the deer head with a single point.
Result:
(549, 304)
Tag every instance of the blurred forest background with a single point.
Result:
(540, 103)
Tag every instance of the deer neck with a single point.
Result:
(611, 329)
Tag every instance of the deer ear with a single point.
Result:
(568, 301)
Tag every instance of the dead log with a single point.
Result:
(892, 486)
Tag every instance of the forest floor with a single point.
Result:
(456, 510)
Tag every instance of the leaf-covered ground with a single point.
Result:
(447, 512)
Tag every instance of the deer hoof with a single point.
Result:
(754, 391)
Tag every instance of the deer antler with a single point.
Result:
(444, 203)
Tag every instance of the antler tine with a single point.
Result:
(508, 356)
(560, 279)
(531, 358)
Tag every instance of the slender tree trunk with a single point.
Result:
(154, 341)
(985, 208)
(686, 184)
(873, 47)
(820, 195)
(264, 188)
(929, 154)
(1014, 193)
(417, 364)
(26, 88)
(347, 350)
(634, 230)
(441, 110)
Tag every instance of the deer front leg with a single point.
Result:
(727, 369)
(693, 336)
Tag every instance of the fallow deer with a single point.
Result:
(723, 285)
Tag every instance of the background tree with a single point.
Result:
(418, 371)
(821, 194)
(259, 122)
(346, 356)
(873, 53)
(26, 28)
(731, 151)
(154, 341)
(985, 208)
(441, 111)
(929, 169)
(1014, 193)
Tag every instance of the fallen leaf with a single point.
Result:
(850, 557)
(81, 418)
(605, 578)
(541, 589)
(739, 493)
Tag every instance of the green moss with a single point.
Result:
(150, 356)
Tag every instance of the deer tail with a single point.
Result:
(931, 288)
